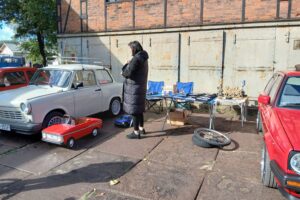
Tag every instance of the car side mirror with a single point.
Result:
(264, 99)
(78, 85)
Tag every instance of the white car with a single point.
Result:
(77, 90)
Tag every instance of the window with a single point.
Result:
(290, 96)
(14, 78)
(30, 74)
(270, 84)
(87, 77)
(103, 77)
(275, 88)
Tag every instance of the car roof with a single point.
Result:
(75, 67)
(13, 69)
(290, 73)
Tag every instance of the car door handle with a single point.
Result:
(98, 90)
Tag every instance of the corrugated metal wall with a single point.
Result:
(251, 54)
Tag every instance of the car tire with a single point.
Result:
(95, 132)
(267, 176)
(258, 124)
(115, 106)
(55, 115)
(71, 143)
(201, 143)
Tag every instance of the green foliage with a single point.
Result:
(36, 21)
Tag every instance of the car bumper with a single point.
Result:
(23, 127)
(282, 177)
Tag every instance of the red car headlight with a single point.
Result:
(294, 162)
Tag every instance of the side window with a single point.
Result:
(14, 78)
(275, 88)
(270, 84)
(103, 77)
(30, 74)
(87, 77)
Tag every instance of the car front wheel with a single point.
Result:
(115, 107)
(53, 118)
(267, 175)
(258, 123)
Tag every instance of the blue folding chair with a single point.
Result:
(154, 95)
(183, 90)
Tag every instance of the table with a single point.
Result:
(186, 99)
(242, 103)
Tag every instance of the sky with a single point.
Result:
(6, 32)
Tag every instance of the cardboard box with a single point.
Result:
(178, 117)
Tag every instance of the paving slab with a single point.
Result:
(179, 150)
(153, 180)
(38, 158)
(101, 194)
(221, 185)
(243, 141)
(16, 140)
(5, 148)
(9, 176)
(72, 179)
(120, 145)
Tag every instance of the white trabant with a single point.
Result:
(75, 89)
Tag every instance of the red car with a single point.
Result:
(67, 134)
(279, 121)
(15, 77)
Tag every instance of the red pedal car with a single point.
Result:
(279, 120)
(72, 130)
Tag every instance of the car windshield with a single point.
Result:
(290, 95)
(51, 77)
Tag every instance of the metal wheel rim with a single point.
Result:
(115, 107)
(71, 143)
(95, 132)
(262, 163)
(55, 120)
(212, 135)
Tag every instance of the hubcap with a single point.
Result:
(262, 163)
(71, 143)
(55, 120)
(115, 107)
(95, 132)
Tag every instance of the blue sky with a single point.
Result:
(6, 32)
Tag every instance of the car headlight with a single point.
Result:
(25, 107)
(295, 162)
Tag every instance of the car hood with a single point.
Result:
(290, 121)
(13, 98)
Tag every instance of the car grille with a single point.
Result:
(15, 115)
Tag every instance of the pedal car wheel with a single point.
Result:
(71, 143)
(115, 106)
(95, 133)
(212, 137)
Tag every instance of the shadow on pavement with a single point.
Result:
(105, 172)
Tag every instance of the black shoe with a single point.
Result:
(133, 136)
(143, 132)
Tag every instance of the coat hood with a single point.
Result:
(290, 121)
(142, 55)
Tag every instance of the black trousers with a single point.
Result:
(138, 120)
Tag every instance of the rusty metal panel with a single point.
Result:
(250, 55)
(203, 59)
(163, 57)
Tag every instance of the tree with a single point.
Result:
(36, 21)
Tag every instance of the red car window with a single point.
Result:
(270, 84)
(275, 88)
(14, 78)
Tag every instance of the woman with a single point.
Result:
(135, 72)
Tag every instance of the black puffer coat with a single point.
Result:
(135, 84)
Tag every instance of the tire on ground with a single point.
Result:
(267, 175)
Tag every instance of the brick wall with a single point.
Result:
(295, 13)
(225, 11)
(183, 12)
(119, 16)
(261, 10)
(151, 13)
